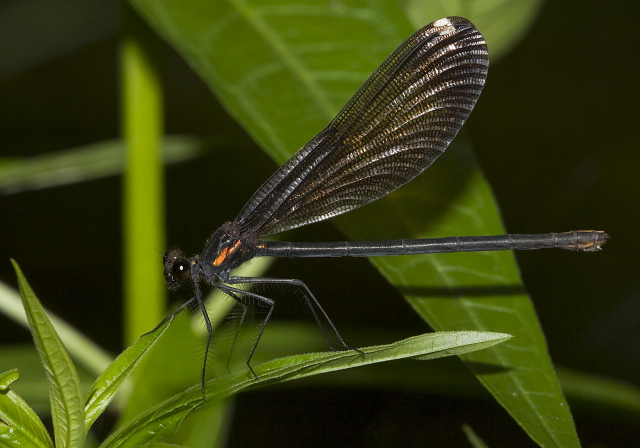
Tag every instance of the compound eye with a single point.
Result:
(180, 270)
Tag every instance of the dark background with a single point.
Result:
(555, 132)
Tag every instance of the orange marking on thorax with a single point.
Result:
(227, 252)
(220, 258)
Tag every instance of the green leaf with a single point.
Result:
(163, 420)
(19, 424)
(64, 384)
(7, 378)
(595, 396)
(165, 445)
(33, 386)
(280, 64)
(108, 383)
(480, 291)
(90, 355)
(283, 69)
(167, 369)
(602, 397)
(474, 440)
(209, 427)
(90, 162)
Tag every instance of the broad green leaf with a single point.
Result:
(283, 69)
(19, 424)
(108, 383)
(503, 22)
(280, 64)
(480, 291)
(163, 420)
(64, 384)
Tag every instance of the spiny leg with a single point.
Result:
(197, 298)
(308, 295)
(239, 324)
(207, 323)
(265, 300)
(171, 315)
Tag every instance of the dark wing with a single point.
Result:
(394, 127)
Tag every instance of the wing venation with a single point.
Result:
(393, 128)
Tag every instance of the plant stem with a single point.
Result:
(142, 127)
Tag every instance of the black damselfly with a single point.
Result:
(394, 127)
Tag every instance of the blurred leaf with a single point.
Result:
(503, 22)
(64, 384)
(172, 366)
(33, 385)
(209, 427)
(472, 437)
(90, 355)
(162, 421)
(90, 162)
(34, 31)
(602, 397)
(284, 69)
(165, 445)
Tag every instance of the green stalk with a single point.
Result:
(142, 126)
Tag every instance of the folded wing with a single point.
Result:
(394, 127)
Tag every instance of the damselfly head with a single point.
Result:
(177, 268)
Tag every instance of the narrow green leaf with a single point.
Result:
(84, 350)
(423, 347)
(33, 386)
(165, 445)
(602, 397)
(108, 383)
(473, 438)
(599, 397)
(7, 378)
(163, 420)
(64, 384)
(20, 426)
(90, 162)
(172, 366)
